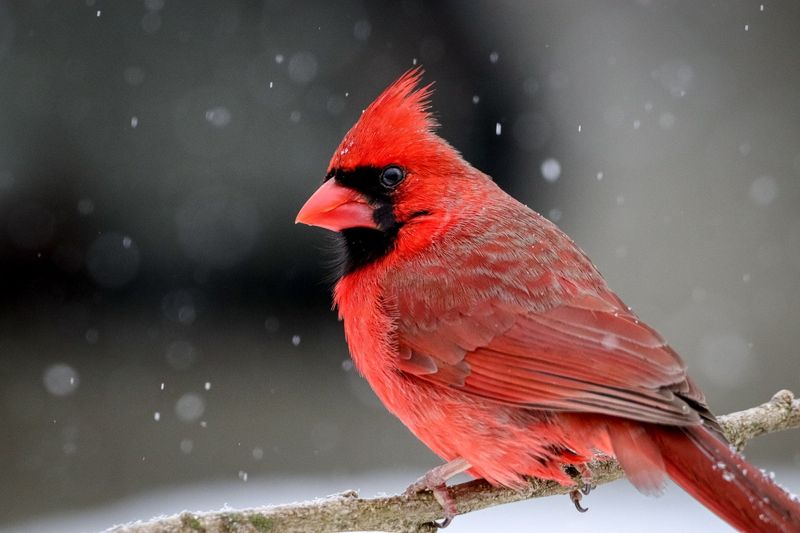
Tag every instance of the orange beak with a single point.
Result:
(335, 207)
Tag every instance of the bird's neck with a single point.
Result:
(359, 298)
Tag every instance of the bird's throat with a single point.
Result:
(360, 247)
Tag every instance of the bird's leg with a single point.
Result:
(435, 480)
(586, 479)
(584, 476)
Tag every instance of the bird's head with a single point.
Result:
(390, 171)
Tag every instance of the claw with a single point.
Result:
(443, 524)
(442, 496)
(583, 477)
(575, 496)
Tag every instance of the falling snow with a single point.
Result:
(551, 169)
(190, 407)
(303, 67)
(60, 379)
(186, 446)
(218, 116)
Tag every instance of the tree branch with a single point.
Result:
(414, 514)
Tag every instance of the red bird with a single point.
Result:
(495, 340)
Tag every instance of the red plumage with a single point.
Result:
(490, 334)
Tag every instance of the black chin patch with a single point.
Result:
(358, 247)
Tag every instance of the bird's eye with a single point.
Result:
(392, 176)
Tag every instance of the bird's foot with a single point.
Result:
(576, 496)
(440, 492)
(583, 477)
(435, 481)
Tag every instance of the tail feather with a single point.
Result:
(711, 471)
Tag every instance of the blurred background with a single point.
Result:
(166, 338)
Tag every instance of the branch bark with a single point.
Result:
(415, 514)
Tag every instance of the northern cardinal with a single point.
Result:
(494, 339)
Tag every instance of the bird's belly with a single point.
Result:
(501, 442)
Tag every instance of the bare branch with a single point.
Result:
(414, 514)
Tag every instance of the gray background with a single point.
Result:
(153, 156)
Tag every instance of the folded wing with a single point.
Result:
(587, 354)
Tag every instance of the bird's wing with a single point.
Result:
(588, 353)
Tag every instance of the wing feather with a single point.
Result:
(586, 355)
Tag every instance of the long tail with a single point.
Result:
(708, 469)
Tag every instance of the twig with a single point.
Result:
(414, 514)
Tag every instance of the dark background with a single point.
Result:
(164, 322)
